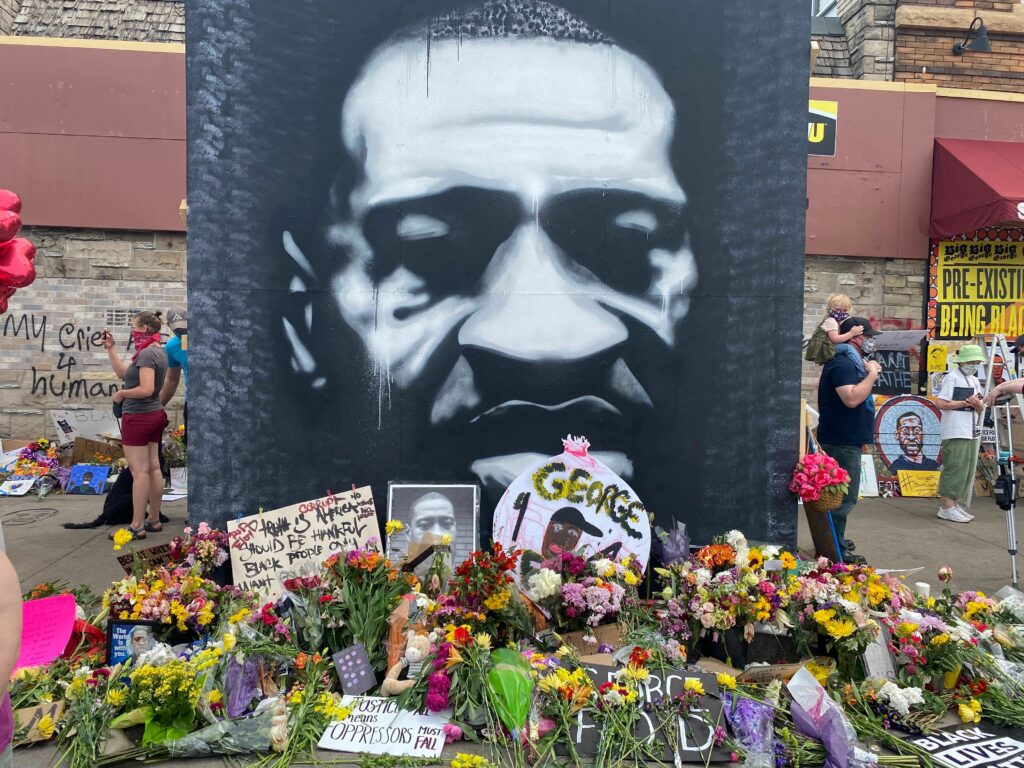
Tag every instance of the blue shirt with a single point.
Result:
(177, 358)
(837, 424)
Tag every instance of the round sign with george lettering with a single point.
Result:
(572, 502)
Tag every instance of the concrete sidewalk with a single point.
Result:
(890, 533)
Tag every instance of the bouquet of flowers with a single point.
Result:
(202, 549)
(178, 598)
(578, 593)
(819, 478)
(458, 680)
(363, 588)
(175, 449)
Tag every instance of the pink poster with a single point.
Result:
(45, 630)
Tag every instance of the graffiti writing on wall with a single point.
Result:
(60, 345)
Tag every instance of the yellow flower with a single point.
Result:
(463, 760)
(940, 639)
(45, 727)
(970, 713)
(394, 526)
(693, 684)
(563, 651)
(635, 673)
(498, 600)
(121, 537)
(454, 658)
(726, 681)
(483, 640)
(116, 697)
(906, 629)
(239, 616)
(631, 579)
(446, 539)
(755, 560)
(823, 617)
(788, 561)
(214, 697)
(820, 671)
(837, 630)
(229, 641)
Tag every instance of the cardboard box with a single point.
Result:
(606, 634)
(85, 450)
(26, 720)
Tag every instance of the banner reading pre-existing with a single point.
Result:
(977, 285)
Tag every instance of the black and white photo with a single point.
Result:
(436, 511)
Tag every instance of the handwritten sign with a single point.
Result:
(91, 423)
(272, 546)
(895, 377)
(923, 484)
(691, 739)
(379, 727)
(898, 341)
(980, 746)
(150, 557)
(46, 626)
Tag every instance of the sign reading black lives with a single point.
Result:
(693, 737)
(979, 746)
(822, 120)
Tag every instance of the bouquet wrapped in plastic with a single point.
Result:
(816, 715)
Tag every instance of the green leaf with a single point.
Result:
(510, 687)
(135, 717)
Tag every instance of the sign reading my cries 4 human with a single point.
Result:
(572, 502)
(977, 286)
(462, 228)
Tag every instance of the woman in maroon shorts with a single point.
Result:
(143, 419)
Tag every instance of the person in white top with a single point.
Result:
(960, 400)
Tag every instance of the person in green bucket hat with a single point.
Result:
(960, 400)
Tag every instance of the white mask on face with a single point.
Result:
(969, 368)
(868, 346)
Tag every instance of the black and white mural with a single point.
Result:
(429, 240)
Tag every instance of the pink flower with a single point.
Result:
(452, 732)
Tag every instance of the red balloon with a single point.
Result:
(10, 223)
(16, 268)
(5, 294)
(9, 201)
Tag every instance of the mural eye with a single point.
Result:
(638, 219)
(419, 226)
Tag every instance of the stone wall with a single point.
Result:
(50, 356)
(889, 292)
(8, 13)
(870, 34)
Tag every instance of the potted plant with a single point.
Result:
(176, 456)
(820, 482)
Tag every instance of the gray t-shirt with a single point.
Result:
(153, 357)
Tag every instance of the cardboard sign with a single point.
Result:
(898, 341)
(695, 735)
(921, 484)
(28, 718)
(378, 726)
(574, 502)
(93, 424)
(976, 746)
(86, 449)
(46, 626)
(272, 546)
(938, 357)
(588, 642)
(868, 477)
(151, 557)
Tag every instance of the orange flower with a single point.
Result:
(301, 660)
(392, 575)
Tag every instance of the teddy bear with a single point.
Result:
(417, 648)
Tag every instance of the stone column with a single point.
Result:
(870, 31)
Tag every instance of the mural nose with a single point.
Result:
(536, 304)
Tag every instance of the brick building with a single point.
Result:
(107, 249)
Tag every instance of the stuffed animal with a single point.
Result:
(417, 648)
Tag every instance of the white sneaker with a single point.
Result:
(965, 511)
(954, 515)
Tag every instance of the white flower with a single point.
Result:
(702, 575)
(772, 693)
(900, 699)
(543, 584)
(79, 613)
(604, 567)
(157, 656)
(770, 551)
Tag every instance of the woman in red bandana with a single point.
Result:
(143, 419)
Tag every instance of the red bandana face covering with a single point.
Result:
(142, 339)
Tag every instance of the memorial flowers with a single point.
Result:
(203, 548)
(818, 473)
(175, 597)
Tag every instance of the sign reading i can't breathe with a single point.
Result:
(269, 547)
(980, 746)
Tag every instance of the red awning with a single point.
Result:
(976, 184)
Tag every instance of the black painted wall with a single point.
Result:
(295, 271)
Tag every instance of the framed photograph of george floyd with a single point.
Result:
(435, 509)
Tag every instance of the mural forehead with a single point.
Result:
(503, 223)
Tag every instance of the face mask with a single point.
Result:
(838, 314)
(142, 339)
(868, 346)
(969, 368)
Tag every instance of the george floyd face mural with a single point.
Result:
(475, 230)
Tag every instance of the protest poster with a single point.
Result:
(977, 746)
(90, 423)
(898, 341)
(920, 484)
(378, 726)
(270, 547)
(150, 557)
(690, 739)
(895, 377)
(46, 627)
